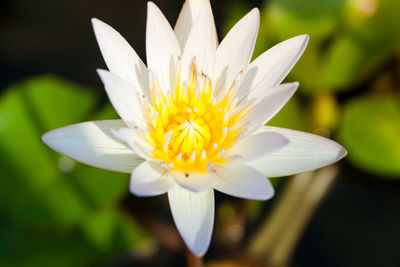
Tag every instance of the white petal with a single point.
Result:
(267, 107)
(92, 143)
(257, 145)
(235, 51)
(242, 181)
(304, 152)
(119, 56)
(150, 179)
(201, 44)
(186, 19)
(133, 140)
(162, 47)
(192, 181)
(193, 214)
(269, 69)
(124, 99)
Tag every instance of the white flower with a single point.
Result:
(193, 119)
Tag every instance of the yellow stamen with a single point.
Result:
(189, 129)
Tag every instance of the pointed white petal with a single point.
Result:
(92, 143)
(267, 107)
(133, 140)
(162, 47)
(242, 181)
(150, 179)
(257, 145)
(304, 152)
(201, 44)
(235, 51)
(269, 69)
(186, 19)
(124, 99)
(120, 57)
(192, 181)
(193, 214)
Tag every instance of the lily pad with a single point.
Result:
(370, 131)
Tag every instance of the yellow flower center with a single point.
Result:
(190, 130)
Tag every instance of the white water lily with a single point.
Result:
(193, 119)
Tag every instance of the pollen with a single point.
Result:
(189, 128)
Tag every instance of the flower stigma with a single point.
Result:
(189, 129)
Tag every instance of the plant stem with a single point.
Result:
(192, 260)
(278, 237)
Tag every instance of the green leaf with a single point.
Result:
(366, 44)
(38, 185)
(32, 187)
(112, 231)
(55, 211)
(370, 131)
(349, 40)
(315, 17)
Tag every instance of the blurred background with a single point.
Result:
(56, 212)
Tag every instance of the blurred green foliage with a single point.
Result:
(350, 42)
(53, 209)
(349, 39)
